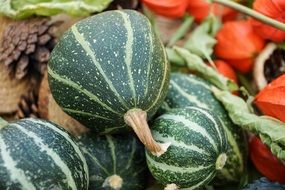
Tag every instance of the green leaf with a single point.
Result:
(270, 130)
(20, 9)
(174, 57)
(182, 30)
(197, 65)
(245, 81)
(202, 41)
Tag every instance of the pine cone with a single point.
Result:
(11, 90)
(26, 45)
(28, 106)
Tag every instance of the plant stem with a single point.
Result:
(137, 119)
(246, 84)
(3, 123)
(221, 161)
(252, 13)
(182, 30)
(114, 182)
(171, 186)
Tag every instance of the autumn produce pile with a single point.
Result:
(135, 95)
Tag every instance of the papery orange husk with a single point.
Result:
(200, 9)
(274, 9)
(167, 8)
(265, 162)
(280, 81)
(238, 44)
(271, 100)
(242, 65)
(226, 70)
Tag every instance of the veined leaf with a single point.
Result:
(196, 64)
(202, 39)
(270, 130)
(20, 9)
(182, 30)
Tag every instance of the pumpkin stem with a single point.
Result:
(137, 119)
(221, 161)
(258, 16)
(3, 123)
(171, 186)
(113, 181)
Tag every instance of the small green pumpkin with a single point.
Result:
(190, 90)
(36, 154)
(108, 70)
(198, 147)
(114, 162)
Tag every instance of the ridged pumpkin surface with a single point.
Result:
(114, 160)
(36, 154)
(197, 143)
(106, 65)
(190, 90)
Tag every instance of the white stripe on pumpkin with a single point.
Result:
(50, 152)
(16, 175)
(209, 116)
(87, 47)
(180, 144)
(80, 89)
(190, 125)
(189, 97)
(176, 169)
(71, 142)
(129, 51)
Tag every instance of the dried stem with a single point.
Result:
(171, 186)
(221, 161)
(114, 181)
(137, 119)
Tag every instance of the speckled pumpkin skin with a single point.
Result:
(36, 154)
(106, 65)
(197, 140)
(109, 155)
(190, 90)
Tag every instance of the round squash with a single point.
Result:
(114, 162)
(36, 154)
(111, 70)
(190, 90)
(198, 147)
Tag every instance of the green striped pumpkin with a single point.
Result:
(106, 65)
(36, 154)
(197, 150)
(114, 162)
(190, 90)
